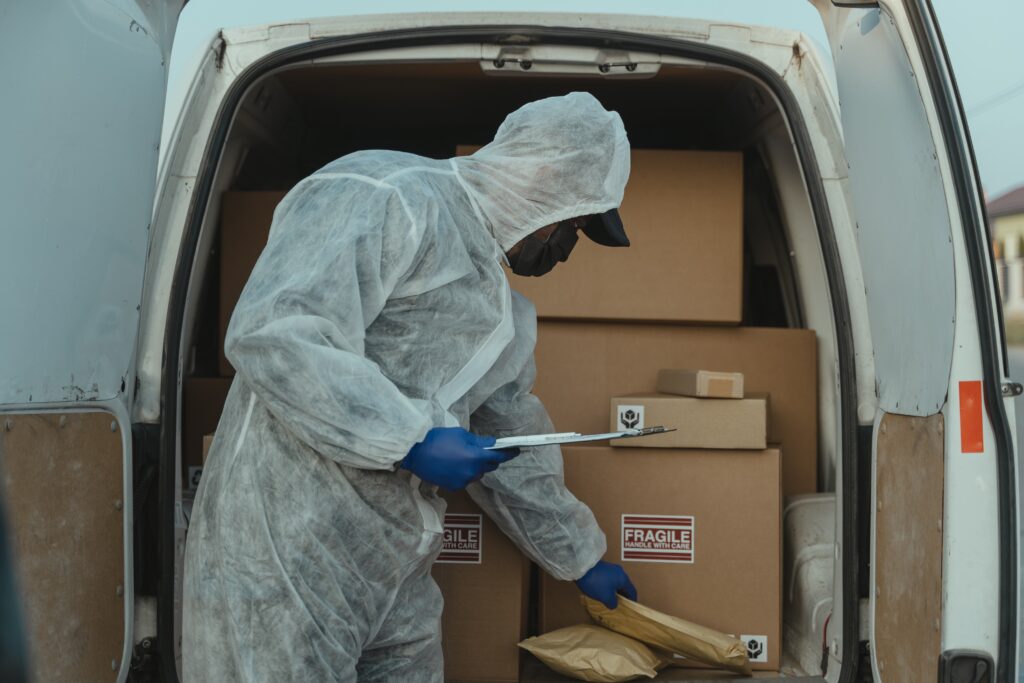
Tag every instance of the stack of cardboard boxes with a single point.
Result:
(694, 515)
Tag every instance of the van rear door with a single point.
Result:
(84, 94)
(943, 557)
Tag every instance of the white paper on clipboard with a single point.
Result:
(571, 437)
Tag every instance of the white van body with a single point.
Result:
(102, 259)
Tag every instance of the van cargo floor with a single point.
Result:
(535, 672)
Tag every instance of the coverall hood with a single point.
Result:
(553, 159)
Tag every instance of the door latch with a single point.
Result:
(1012, 389)
(566, 60)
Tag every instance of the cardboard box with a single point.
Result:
(202, 403)
(683, 213)
(580, 366)
(697, 531)
(245, 219)
(485, 582)
(701, 383)
(699, 422)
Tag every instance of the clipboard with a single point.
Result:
(572, 437)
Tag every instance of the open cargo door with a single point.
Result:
(943, 555)
(85, 86)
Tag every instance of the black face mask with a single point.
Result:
(538, 257)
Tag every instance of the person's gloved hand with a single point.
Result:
(452, 458)
(604, 582)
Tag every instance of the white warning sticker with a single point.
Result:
(194, 475)
(630, 417)
(463, 539)
(657, 538)
(757, 648)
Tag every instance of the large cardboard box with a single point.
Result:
(202, 402)
(485, 582)
(683, 212)
(580, 366)
(245, 219)
(699, 422)
(697, 531)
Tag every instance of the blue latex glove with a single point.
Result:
(604, 582)
(452, 458)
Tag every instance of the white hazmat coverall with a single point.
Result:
(378, 310)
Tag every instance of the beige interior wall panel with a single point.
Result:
(908, 547)
(62, 478)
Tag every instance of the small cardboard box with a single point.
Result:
(683, 213)
(245, 219)
(698, 532)
(699, 422)
(202, 403)
(581, 365)
(701, 383)
(485, 582)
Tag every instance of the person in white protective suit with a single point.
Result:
(379, 351)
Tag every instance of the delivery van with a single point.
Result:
(853, 220)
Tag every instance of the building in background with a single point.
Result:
(1006, 220)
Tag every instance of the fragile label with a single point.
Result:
(661, 538)
(631, 417)
(463, 539)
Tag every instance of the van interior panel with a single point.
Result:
(63, 484)
(908, 546)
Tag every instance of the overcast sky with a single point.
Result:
(985, 45)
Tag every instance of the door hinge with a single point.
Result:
(1012, 389)
(145, 662)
